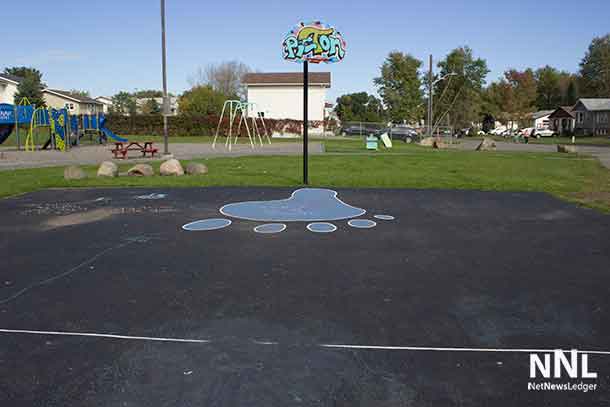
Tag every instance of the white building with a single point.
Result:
(541, 119)
(106, 102)
(280, 95)
(8, 88)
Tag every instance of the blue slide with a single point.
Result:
(109, 133)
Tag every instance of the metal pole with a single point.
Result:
(17, 126)
(430, 86)
(165, 99)
(305, 121)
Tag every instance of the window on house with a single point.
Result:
(602, 117)
(580, 117)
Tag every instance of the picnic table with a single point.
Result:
(121, 149)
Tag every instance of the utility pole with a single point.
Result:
(430, 87)
(166, 107)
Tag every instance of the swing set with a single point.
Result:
(234, 109)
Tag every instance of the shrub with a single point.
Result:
(200, 125)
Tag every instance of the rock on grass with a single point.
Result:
(171, 167)
(74, 172)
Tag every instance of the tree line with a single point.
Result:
(463, 97)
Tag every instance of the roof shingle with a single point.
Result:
(596, 104)
(287, 78)
(10, 77)
(78, 98)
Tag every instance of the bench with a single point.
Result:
(121, 150)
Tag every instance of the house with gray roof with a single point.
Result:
(8, 87)
(592, 117)
(562, 120)
(76, 104)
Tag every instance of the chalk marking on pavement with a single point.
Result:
(322, 345)
(449, 349)
(101, 335)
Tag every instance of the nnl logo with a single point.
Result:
(560, 361)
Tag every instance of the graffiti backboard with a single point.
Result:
(314, 42)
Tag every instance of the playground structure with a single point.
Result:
(234, 109)
(60, 129)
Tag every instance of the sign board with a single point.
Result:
(314, 42)
(7, 113)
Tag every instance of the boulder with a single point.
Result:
(427, 142)
(74, 172)
(171, 167)
(196, 169)
(439, 145)
(141, 170)
(563, 148)
(487, 145)
(108, 169)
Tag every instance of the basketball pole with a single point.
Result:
(305, 122)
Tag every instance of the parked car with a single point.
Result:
(526, 132)
(544, 133)
(498, 131)
(404, 133)
(361, 129)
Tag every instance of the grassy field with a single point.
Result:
(579, 141)
(578, 179)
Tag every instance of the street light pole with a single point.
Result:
(165, 98)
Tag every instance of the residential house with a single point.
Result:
(8, 87)
(541, 119)
(76, 104)
(562, 120)
(592, 117)
(280, 95)
(106, 101)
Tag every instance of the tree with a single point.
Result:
(31, 85)
(360, 107)
(77, 92)
(595, 69)
(225, 77)
(520, 94)
(549, 93)
(400, 87)
(124, 103)
(571, 94)
(24, 72)
(30, 88)
(151, 106)
(201, 100)
(148, 93)
(459, 97)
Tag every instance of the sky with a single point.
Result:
(108, 46)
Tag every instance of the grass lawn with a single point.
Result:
(578, 179)
(581, 141)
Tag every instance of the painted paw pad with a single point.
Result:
(316, 206)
